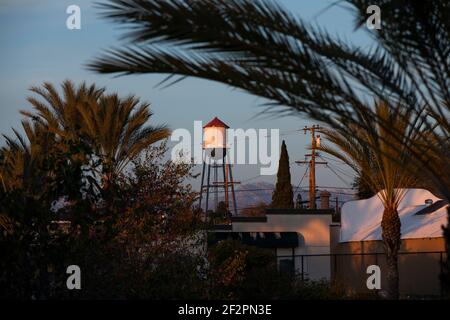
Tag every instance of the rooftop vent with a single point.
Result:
(430, 208)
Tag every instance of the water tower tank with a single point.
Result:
(215, 134)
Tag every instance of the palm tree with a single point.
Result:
(41, 167)
(119, 127)
(114, 127)
(383, 163)
(29, 181)
(23, 156)
(260, 47)
(37, 169)
(60, 113)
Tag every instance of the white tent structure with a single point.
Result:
(422, 215)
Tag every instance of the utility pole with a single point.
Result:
(315, 142)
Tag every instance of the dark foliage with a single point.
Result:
(244, 272)
(363, 191)
(283, 196)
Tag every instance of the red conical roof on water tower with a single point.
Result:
(216, 122)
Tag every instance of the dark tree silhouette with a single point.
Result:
(283, 196)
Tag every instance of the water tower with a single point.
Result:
(215, 158)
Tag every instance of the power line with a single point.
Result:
(248, 190)
(344, 173)
(259, 189)
(286, 133)
(332, 170)
(339, 169)
(337, 175)
(304, 175)
(344, 193)
(330, 187)
(250, 178)
(340, 162)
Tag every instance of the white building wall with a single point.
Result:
(312, 228)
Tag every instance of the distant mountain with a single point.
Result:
(251, 194)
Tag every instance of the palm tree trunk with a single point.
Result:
(390, 225)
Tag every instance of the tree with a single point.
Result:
(371, 155)
(115, 127)
(21, 156)
(258, 210)
(265, 50)
(363, 190)
(283, 196)
(35, 171)
(221, 214)
(239, 271)
(48, 177)
(125, 251)
(154, 249)
(154, 191)
(299, 201)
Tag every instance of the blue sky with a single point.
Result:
(36, 46)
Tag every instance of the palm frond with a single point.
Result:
(263, 49)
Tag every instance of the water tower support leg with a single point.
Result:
(201, 184)
(232, 189)
(225, 184)
(207, 186)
